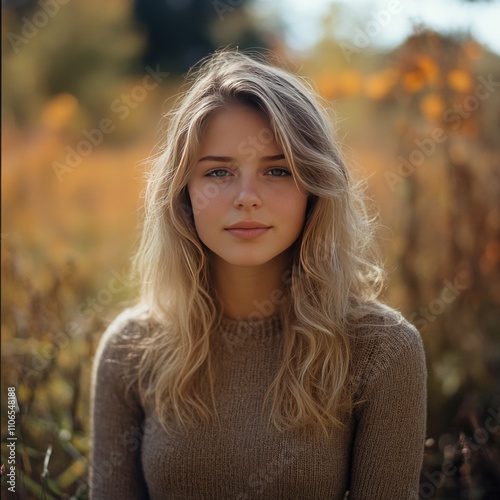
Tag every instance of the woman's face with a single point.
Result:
(247, 208)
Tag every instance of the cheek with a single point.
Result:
(203, 194)
(294, 209)
(208, 209)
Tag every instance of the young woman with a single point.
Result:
(259, 363)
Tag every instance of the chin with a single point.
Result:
(246, 260)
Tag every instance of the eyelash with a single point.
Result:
(212, 172)
(284, 172)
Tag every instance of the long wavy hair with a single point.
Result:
(334, 277)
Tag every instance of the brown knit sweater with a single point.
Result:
(377, 456)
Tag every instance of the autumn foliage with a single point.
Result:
(422, 125)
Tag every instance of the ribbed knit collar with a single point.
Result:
(259, 332)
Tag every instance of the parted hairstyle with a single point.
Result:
(334, 276)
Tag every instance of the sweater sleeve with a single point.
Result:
(391, 420)
(117, 417)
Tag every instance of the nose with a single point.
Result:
(247, 195)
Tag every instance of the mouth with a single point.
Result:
(247, 230)
(248, 225)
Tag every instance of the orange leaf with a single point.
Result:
(413, 81)
(349, 83)
(377, 86)
(459, 80)
(432, 106)
(59, 111)
(325, 82)
(429, 68)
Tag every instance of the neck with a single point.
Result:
(251, 293)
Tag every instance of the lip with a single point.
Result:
(247, 229)
(248, 224)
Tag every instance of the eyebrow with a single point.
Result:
(227, 159)
(273, 158)
(216, 158)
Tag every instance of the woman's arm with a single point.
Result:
(117, 418)
(390, 433)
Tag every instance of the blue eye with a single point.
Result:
(279, 172)
(218, 172)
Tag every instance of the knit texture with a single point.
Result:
(377, 456)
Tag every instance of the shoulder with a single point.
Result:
(385, 343)
(116, 364)
(121, 342)
(385, 331)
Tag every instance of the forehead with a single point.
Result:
(232, 129)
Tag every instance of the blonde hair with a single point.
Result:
(334, 277)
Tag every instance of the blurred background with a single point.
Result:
(414, 89)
